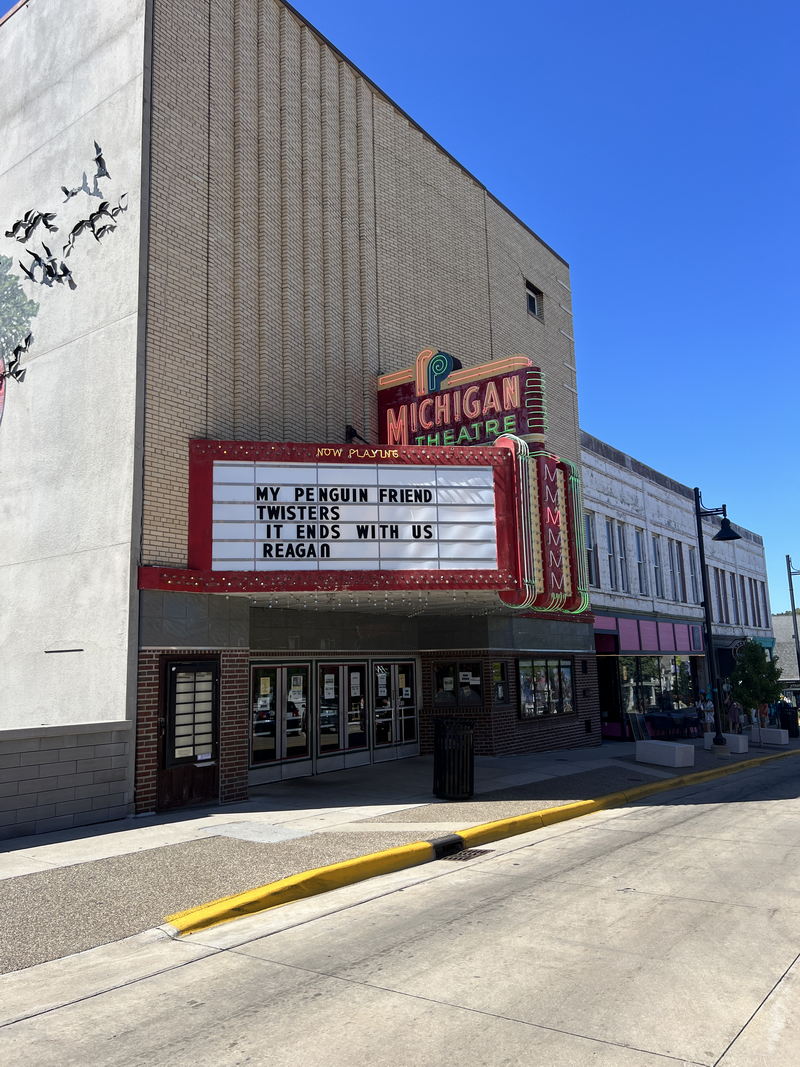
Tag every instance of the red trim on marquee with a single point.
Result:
(199, 577)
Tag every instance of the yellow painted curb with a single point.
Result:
(522, 824)
(336, 875)
(297, 886)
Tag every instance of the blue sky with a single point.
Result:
(655, 147)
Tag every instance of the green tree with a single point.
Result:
(16, 311)
(756, 678)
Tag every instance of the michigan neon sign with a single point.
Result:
(438, 403)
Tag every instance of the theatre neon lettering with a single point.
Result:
(437, 402)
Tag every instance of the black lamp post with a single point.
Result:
(791, 572)
(725, 533)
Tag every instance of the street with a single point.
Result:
(665, 932)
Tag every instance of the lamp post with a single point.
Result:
(725, 533)
(790, 572)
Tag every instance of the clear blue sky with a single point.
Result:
(655, 147)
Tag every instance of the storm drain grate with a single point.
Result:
(469, 854)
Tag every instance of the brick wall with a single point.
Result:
(498, 729)
(234, 723)
(53, 778)
(305, 236)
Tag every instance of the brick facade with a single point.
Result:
(318, 239)
(234, 722)
(498, 728)
(323, 239)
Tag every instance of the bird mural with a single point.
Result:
(45, 265)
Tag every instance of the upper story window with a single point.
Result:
(613, 577)
(734, 599)
(535, 300)
(694, 579)
(743, 600)
(658, 573)
(622, 554)
(641, 561)
(764, 608)
(722, 595)
(590, 535)
(674, 588)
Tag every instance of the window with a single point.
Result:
(764, 609)
(641, 561)
(694, 581)
(681, 573)
(721, 613)
(755, 613)
(592, 565)
(723, 595)
(734, 599)
(500, 693)
(613, 580)
(622, 555)
(743, 600)
(545, 687)
(658, 574)
(457, 685)
(535, 299)
(674, 587)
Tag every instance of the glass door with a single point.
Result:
(280, 726)
(342, 719)
(394, 720)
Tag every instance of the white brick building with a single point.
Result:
(646, 590)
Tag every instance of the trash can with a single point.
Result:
(788, 718)
(453, 759)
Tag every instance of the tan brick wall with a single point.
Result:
(306, 236)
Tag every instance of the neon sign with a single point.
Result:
(436, 402)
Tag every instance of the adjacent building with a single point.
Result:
(289, 422)
(646, 589)
(783, 627)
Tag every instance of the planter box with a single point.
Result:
(665, 753)
(733, 742)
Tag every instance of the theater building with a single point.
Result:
(296, 444)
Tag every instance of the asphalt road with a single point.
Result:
(663, 933)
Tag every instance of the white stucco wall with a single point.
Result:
(627, 496)
(70, 77)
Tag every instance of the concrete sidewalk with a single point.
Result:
(65, 892)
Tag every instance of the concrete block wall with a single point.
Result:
(59, 777)
(306, 236)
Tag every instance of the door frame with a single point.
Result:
(316, 763)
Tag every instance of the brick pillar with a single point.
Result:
(146, 774)
(234, 726)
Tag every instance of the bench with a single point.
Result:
(733, 742)
(770, 735)
(665, 753)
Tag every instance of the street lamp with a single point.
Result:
(725, 533)
(790, 572)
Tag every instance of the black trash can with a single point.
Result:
(453, 759)
(788, 718)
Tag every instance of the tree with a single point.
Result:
(16, 311)
(756, 678)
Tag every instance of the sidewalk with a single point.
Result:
(65, 892)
